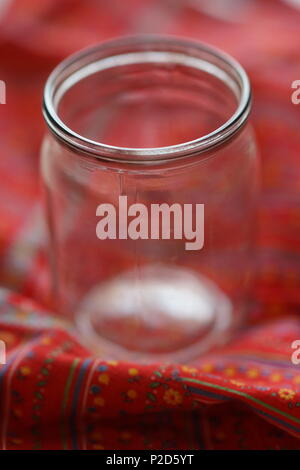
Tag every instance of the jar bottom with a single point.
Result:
(154, 313)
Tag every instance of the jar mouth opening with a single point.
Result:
(146, 49)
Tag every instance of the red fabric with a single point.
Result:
(54, 395)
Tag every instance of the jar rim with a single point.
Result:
(64, 76)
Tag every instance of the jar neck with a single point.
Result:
(84, 83)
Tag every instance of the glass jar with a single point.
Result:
(150, 177)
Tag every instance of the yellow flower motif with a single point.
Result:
(112, 363)
(237, 383)
(275, 377)
(99, 401)
(7, 337)
(189, 370)
(17, 441)
(207, 367)
(252, 373)
(125, 435)
(46, 340)
(25, 370)
(286, 393)
(132, 394)
(96, 436)
(98, 447)
(21, 315)
(104, 379)
(133, 372)
(230, 371)
(172, 397)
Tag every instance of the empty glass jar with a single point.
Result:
(150, 176)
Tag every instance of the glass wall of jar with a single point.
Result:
(150, 176)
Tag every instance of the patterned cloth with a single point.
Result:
(54, 395)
